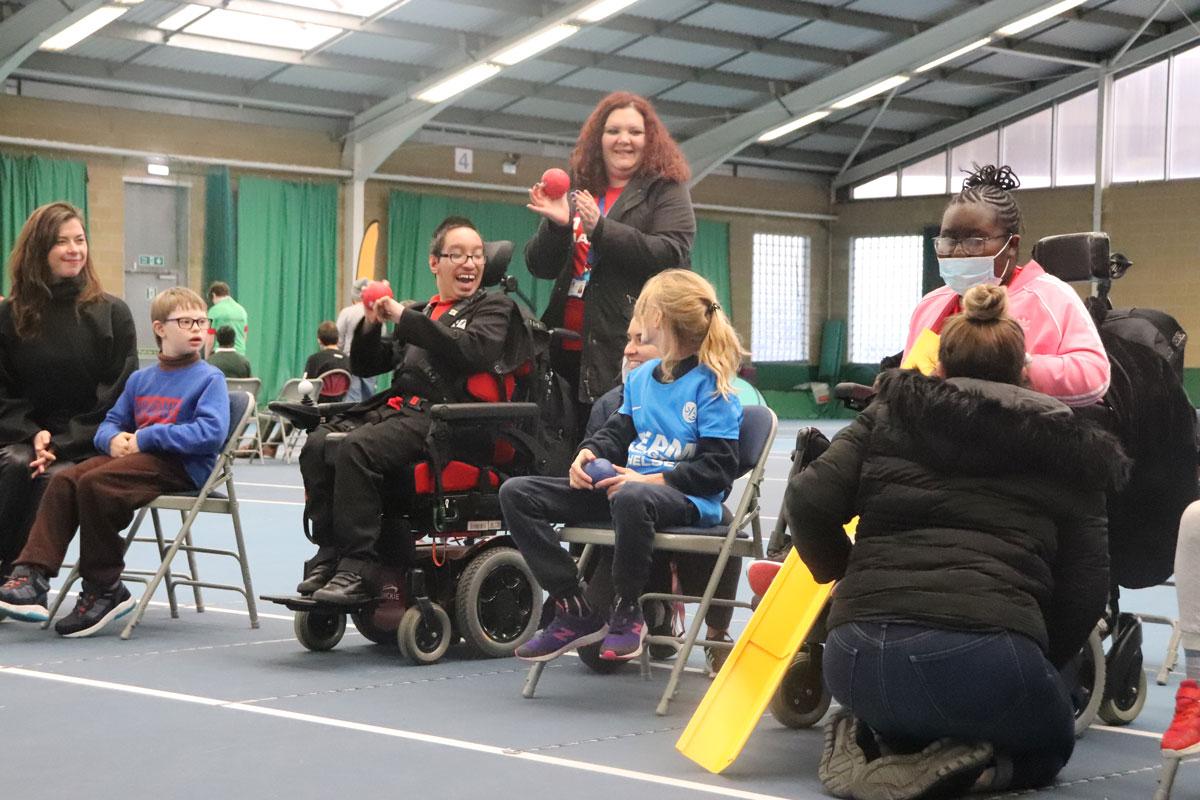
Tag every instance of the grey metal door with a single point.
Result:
(156, 246)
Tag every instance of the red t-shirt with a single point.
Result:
(573, 311)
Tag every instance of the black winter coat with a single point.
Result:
(649, 229)
(433, 358)
(981, 507)
(66, 378)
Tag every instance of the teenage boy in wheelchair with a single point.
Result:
(461, 346)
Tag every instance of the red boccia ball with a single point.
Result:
(375, 290)
(555, 183)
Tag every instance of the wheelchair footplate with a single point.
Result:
(298, 602)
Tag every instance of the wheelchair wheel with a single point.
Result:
(802, 699)
(497, 603)
(367, 622)
(1127, 698)
(418, 642)
(590, 656)
(1087, 684)
(319, 630)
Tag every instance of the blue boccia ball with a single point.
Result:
(599, 469)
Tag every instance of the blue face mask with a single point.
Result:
(960, 274)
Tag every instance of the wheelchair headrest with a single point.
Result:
(1074, 256)
(499, 254)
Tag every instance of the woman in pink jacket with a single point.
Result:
(978, 243)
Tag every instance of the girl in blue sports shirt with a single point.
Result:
(674, 444)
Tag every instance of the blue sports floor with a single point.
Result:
(205, 707)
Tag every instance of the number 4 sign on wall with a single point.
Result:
(464, 160)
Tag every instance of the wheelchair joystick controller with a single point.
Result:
(306, 392)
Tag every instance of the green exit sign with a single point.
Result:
(151, 261)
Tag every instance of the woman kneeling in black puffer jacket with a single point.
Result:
(980, 566)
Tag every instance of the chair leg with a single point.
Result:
(164, 570)
(1167, 779)
(243, 561)
(193, 573)
(531, 680)
(162, 554)
(1172, 656)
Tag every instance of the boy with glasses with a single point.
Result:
(162, 436)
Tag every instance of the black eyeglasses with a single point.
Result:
(458, 259)
(972, 246)
(187, 323)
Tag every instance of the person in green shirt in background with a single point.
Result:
(225, 358)
(224, 310)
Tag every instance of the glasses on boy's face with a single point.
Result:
(972, 246)
(188, 323)
(458, 259)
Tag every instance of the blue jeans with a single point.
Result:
(913, 684)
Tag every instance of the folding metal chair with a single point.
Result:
(189, 505)
(251, 385)
(334, 385)
(724, 541)
(279, 428)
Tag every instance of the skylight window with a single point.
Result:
(257, 29)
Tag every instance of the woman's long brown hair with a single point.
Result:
(661, 157)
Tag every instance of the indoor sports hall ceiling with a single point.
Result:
(722, 74)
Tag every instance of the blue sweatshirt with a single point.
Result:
(183, 411)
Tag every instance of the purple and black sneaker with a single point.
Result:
(565, 632)
(626, 632)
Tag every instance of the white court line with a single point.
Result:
(397, 733)
(272, 502)
(270, 485)
(1126, 731)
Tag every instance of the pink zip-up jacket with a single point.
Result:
(1067, 360)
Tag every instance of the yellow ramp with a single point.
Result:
(739, 695)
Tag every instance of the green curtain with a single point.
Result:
(412, 218)
(286, 272)
(710, 258)
(27, 182)
(220, 254)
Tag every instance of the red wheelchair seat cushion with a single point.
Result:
(458, 476)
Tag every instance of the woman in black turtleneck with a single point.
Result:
(66, 348)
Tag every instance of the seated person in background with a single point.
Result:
(163, 435)
(692, 569)
(677, 429)
(1065, 356)
(979, 568)
(462, 335)
(328, 356)
(231, 363)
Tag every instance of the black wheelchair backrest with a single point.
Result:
(499, 254)
(1074, 256)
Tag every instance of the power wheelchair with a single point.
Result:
(1110, 685)
(447, 571)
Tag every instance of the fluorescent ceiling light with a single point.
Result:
(962, 51)
(257, 29)
(871, 91)
(162, 170)
(74, 34)
(794, 125)
(458, 82)
(183, 17)
(534, 44)
(602, 10)
(1013, 28)
(359, 8)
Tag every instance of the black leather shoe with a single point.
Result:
(316, 576)
(345, 589)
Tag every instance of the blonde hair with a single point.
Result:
(172, 299)
(983, 341)
(694, 322)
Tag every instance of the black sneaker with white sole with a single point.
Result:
(94, 609)
(23, 595)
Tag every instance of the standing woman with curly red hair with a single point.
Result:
(66, 348)
(628, 218)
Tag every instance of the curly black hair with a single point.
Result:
(992, 185)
